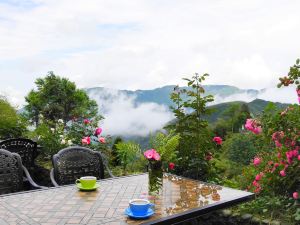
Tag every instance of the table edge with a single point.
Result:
(194, 213)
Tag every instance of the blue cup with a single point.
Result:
(139, 207)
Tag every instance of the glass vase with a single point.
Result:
(155, 174)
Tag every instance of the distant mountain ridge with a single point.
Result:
(162, 95)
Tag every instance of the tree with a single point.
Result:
(58, 98)
(128, 153)
(114, 152)
(231, 114)
(195, 142)
(235, 116)
(11, 124)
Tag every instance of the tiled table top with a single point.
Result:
(178, 199)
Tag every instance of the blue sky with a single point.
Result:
(143, 44)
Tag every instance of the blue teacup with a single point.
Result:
(139, 207)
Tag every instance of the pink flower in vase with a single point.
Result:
(149, 154)
(156, 156)
(152, 154)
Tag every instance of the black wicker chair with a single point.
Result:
(11, 173)
(74, 162)
(26, 148)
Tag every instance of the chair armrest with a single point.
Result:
(52, 178)
(108, 170)
(30, 180)
(105, 163)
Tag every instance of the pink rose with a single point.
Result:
(98, 131)
(282, 173)
(86, 121)
(171, 166)
(149, 154)
(102, 140)
(278, 144)
(217, 140)
(299, 157)
(295, 195)
(86, 140)
(258, 177)
(152, 154)
(255, 183)
(295, 153)
(256, 161)
(257, 130)
(156, 156)
(278, 155)
(257, 190)
(252, 126)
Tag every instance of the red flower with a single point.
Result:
(282, 173)
(256, 161)
(255, 183)
(171, 166)
(217, 140)
(257, 190)
(98, 131)
(208, 156)
(258, 177)
(102, 140)
(86, 121)
(86, 140)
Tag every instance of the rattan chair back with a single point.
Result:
(26, 148)
(11, 173)
(74, 162)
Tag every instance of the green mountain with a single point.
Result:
(256, 107)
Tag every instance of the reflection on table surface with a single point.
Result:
(106, 205)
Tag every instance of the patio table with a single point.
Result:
(179, 199)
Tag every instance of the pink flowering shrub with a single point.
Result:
(277, 171)
(253, 126)
(86, 132)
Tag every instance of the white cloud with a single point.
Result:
(283, 95)
(123, 117)
(141, 44)
(286, 95)
(14, 96)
